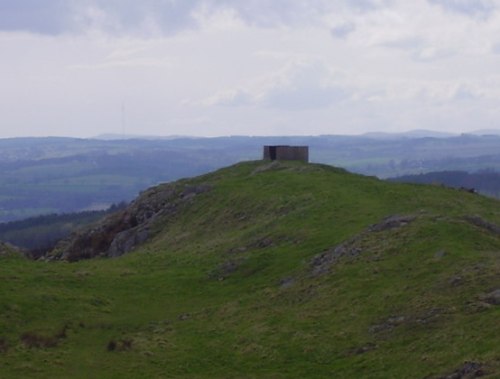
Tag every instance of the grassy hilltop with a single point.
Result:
(274, 270)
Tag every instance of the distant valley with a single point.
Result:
(61, 175)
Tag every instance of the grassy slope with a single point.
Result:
(186, 315)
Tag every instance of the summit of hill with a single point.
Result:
(265, 269)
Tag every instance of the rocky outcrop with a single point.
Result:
(391, 222)
(481, 223)
(6, 249)
(493, 297)
(467, 370)
(121, 232)
(321, 263)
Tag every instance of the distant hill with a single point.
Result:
(412, 134)
(62, 175)
(265, 270)
(114, 137)
(486, 132)
(484, 182)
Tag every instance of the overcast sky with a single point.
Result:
(247, 67)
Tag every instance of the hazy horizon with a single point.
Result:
(206, 68)
(413, 132)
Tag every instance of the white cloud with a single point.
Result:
(214, 67)
(231, 98)
(343, 29)
(164, 16)
(481, 8)
(299, 85)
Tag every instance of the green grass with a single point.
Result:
(185, 317)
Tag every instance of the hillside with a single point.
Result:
(41, 176)
(269, 270)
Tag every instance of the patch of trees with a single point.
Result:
(40, 234)
(486, 182)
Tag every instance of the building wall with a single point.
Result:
(287, 153)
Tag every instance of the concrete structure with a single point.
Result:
(287, 153)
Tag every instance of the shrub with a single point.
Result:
(4, 346)
(35, 340)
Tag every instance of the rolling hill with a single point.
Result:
(40, 176)
(269, 270)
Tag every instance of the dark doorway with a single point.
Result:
(272, 153)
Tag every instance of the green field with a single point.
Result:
(232, 285)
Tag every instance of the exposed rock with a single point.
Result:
(493, 297)
(388, 324)
(287, 282)
(121, 232)
(237, 250)
(322, 262)
(478, 221)
(439, 254)
(391, 222)
(6, 249)
(260, 243)
(127, 240)
(224, 269)
(456, 280)
(191, 191)
(428, 316)
(467, 371)
(362, 349)
(424, 318)
(263, 243)
(229, 267)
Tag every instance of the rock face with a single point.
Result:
(121, 232)
(6, 249)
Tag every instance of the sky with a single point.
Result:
(82, 68)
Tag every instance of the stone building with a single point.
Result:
(286, 153)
